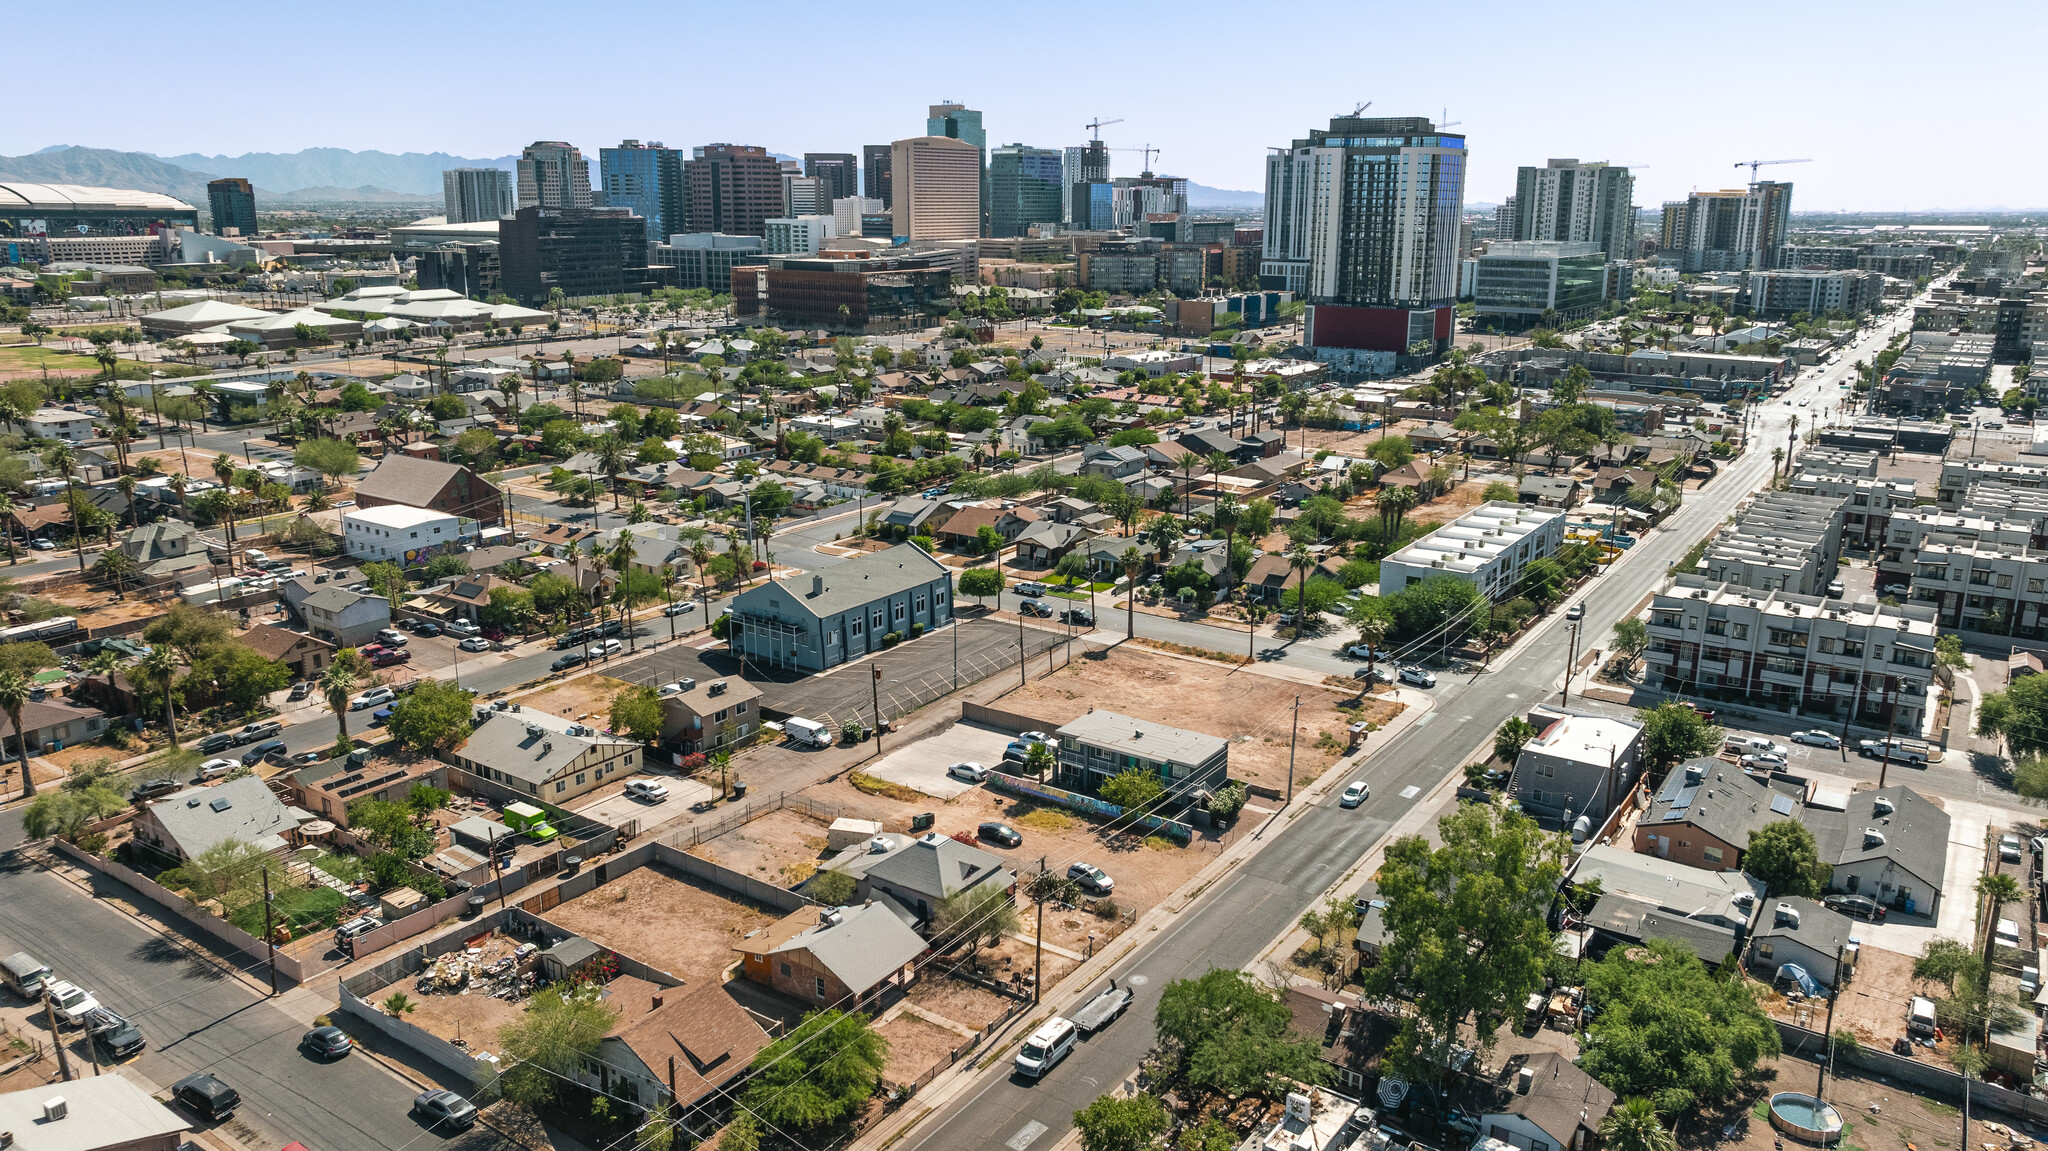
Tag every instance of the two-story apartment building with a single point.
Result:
(1487, 547)
(1579, 764)
(543, 755)
(842, 613)
(398, 534)
(1820, 656)
(1104, 743)
(1868, 501)
(710, 714)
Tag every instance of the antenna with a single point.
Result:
(1096, 125)
(1753, 165)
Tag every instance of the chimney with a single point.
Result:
(656, 1005)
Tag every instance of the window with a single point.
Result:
(821, 986)
(832, 637)
(1741, 631)
(737, 709)
(2004, 581)
(857, 628)
(897, 608)
(1711, 855)
(560, 787)
(1763, 950)
(785, 970)
(2035, 585)
(579, 778)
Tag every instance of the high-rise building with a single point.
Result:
(850, 216)
(1136, 197)
(1085, 165)
(874, 173)
(734, 188)
(1732, 230)
(1025, 187)
(1590, 203)
(703, 260)
(648, 179)
(839, 170)
(1362, 221)
(798, 236)
(937, 182)
(805, 195)
(582, 251)
(553, 175)
(959, 122)
(232, 202)
(473, 195)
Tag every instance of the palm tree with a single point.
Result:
(14, 692)
(611, 459)
(158, 667)
(1134, 562)
(126, 486)
(65, 460)
(1998, 890)
(1791, 445)
(336, 685)
(621, 559)
(1187, 462)
(7, 525)
(668, 592)
(1302, 561)
(1371, 631)
(1393, 502)
(116, 565)
(1636, 1126)
(1777, 459)
(1223, 516)
(510, 386)
(700, 559)
(106, 663)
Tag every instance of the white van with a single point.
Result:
(1046, 1047)
(807, 732)
(1920, 1016)
(25, 974)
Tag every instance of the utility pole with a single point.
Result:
(491, 837)
(1023, 674)
(1828, 1032)
(1565, 698)
(56, 1036)
(875, 694)
(1890, 727)
(269, 934)
(1038, 938)
(1293, 737)
(953, 623)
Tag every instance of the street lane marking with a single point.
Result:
(1025, 1135)
(1410, 792)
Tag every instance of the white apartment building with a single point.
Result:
(1785, 540)
(396, 534)
(1957, 477)
(58, 424)
(1487, 546)
(797, 235)
(1870, 501)
(1983, 585)
(1816, 656)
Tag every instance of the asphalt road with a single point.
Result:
(197, 1017)
(1239, 916)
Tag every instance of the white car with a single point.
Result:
(968, 770)
(1092, 879)
(1418, 676)
(374, 697)
(683, 608)
(1816, 738)
(1361, 651)
(1033, 737)
(73, 1002)
(474, 643)
(648, 790)
(1765, 760)
(215, 768)
(460, 628)
(1356, 794)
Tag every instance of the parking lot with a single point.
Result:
(923, 764)
(612, 807)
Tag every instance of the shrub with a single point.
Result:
(916, 629)
(1105, 909)
(851, 731)
(760, 566)
(891, 639)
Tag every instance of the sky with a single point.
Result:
(1679, 91)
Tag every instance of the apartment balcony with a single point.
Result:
(1784, 678)
(1719, 667)
(1652, 655)
(1674, 630)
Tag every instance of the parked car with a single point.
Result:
(1356, 794)
(42, 545)
(445, 1109)
(207, 1095)
(117, 1038)
(1815, 737)
(1860, 906)
(150, 789)
(391, 637)
(1001, 834)
(73, 1003)
(459, 627)
(1078, 616)
(426, 627)
(372, 698)
(1092, 879)
(1366, 651)
(1034, 608)
(1896, 589)
(648, 790)
(217, 742)
(1418, 676)
(567, 660)
(2009, 848)
(256, 732)
(327, 1042)
(474, 643)
(1035, 737)
(301, 690)
(1765, 761)
(263, 751)
(969, 771)
(389, 656)
(215, 768)
(1836, 589)
(675, 609)
(1576, 611)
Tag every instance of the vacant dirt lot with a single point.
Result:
(916, 1044)
(1249, 710)
(782, 847)
(963, 1003)
(669, 921)
(587, 697)
(1874, 1006)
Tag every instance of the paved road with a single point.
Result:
(1244, 912)
(197, 1017)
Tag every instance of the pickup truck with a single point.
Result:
(1102, 1010)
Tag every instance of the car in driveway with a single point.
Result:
(1092, 879)
(1001, 834)
(1859, 906)
(301, 690)
(647, 790)
(1815, 737)
(445, 1109)
(389, 656)
(327, 1042)
(207, 1096)
(459, 627)
(391, 637)
(2009, 848)
(42, 545)
(1356, 794)
(1895, 589)
(426, 627)
(1418, 676)
(968, 770)
(374, 697)
(1765, 761)
(474, 643)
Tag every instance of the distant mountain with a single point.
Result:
(367, 194)
(418, 173)
(1203, 196)
(105, 168)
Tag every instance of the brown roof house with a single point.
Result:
(846, 957)
(695, 1041)
(433, 485)
(304, 654)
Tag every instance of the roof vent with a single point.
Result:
(1872, 837)
(1787, 916)
(55, 1108)
(817, 585)
(718, 687)
(221, 804)
(1881, 805)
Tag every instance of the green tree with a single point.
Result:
(981, 915)
(1121, 1123)
(821, 1072)
(1672, 732)
(392, 826)
(981, 582)
(1948, 652)
(832, 888)
(1231, 1034)
(552, 1040)
(66, 812)
(434, 716)
(331, 458)
(1782, 853)
(1502, 491)
(1631, 638)
(1132, 789)
(1636, 1126)
(221, 871)
(1468, 928)
(1948, 961)
(1211, 1134)
(637, 711)
(1669, 1030)
(14, 694)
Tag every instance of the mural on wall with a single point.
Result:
(415, 557)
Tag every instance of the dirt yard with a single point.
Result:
(586, 697)
(963, 1003)
(672, 922)
(1249, 710)
(916, 1044)
(1875, 1004)
(782, 847)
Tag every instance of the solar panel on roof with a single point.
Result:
(1782, 804)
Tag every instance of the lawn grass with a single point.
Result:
(303, 909)
(342, 866)
(1044, 819)
(873, 785)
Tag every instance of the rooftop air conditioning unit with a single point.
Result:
(1787, 916)
(1881, 805)
(1872, 837)
(55, 1108)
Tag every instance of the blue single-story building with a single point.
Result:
(824, 619)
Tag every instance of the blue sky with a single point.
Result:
(1684, 90)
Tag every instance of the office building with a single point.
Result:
(959, 122)
(1135, 198)
(1024, 186)
(232, 203)
(891, 292)
(813, 622)
(582, 251)
(1487, 547)
(472, 195)
(937, 182)
(1081, 166)
(1102, 744)
(839, 170)
(648, 180)
(859, 216)
(1590, 203)
(804, 195)
(1817, 292)
(468, 269)
(1527, 282)
(553, 174)
(875, 160)
(1362, 221)
(797, 235)
(1729, 230)
(1092, 206)
(734, 188)
(704, 260)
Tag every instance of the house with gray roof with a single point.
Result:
(1540, 1102)
(1119, 463)
(1104, 743)
(342, 617)
(843, 957)
(1548, 491)
(827, 618)
(1795, 930)
(1726, 898)
(1889, 844)
(188, 822)
(1619, 921)
(165, 549)
(1708, 810)
(927, 871)
(544, 755)
(1046, 542)
(915, 516)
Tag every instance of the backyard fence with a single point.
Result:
(901, 1090)
(1929, 1077)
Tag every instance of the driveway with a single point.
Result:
(922, 765)
(619, 808)
(1956, 919)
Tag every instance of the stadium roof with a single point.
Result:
(77, 198)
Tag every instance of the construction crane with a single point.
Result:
(1096, 125)
(1753, 165)
(1361, 108)
(1149, 151)
(1445, 121)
